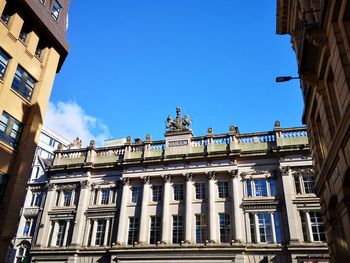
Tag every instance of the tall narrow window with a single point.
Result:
(249, 188)
(200, 191)
(252, 227)
(304, 226)
(225, 228)
(260, 187)
(100, 232)
(157, 193)
(265, 227)
(24, 32)
(56, 10)
(309, 184)
(5, 16)
(178, 192)
(4, 59)
(317, 227)
(201, 228)
(155, 230)
(177, 229)
(136, 196)
(277, 226)
(133, 233)
(23, 83)
(60, 233)
(67, 194)
(26, 228)
(10, 129)
(223, 189)
(105, 196)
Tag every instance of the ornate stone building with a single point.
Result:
(215, 198)
(320, 36)
(33, 47)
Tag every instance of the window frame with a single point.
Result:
(225, 227)
(54, 8)
(155, 229)
(23, 83)
(6, 134)
(157, 193)
(178, 229)
(136, 194)
(178, 192)
(100, 232)
(201, 228)
(133, 230)
(223, 189)
(200, 189)
(4, 61)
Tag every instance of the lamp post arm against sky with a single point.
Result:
(285, 78)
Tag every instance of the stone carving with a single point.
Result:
(60, 147)
(303, 171)
(146, 179)
(285, 170)
(128, 139)
(188, 176)
(76, 144)
(50, 186)
(277, 124)
(234, 173)
(167, 178)
(148, 137)
(179, 124)
(92, 144)
(210, 131)
(125, 181)
(66, 186)
(211, 175)
(84, 184)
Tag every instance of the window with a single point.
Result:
(276, 219)
(225, 228)
(200, 191)
(67, 194)
(252, 227)
(105, 196)
(36, 199)
(155, 229)
(260, 187)
(5, 16)
(133, 233)
(42, 2)
(23, 34)
(26, 228)
(304, 184)
(56, 10)
(60, 233)
(313, 229)
(4, 59)
(3, 184)
(10, 129)
(178, 192)
(177, 229)
(265, 227)
(23, 83)
(249, 188)
(157, 193)
(201, 228)
(100, 232)
(136, 194)
(223, 189)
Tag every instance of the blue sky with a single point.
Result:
(131, 62)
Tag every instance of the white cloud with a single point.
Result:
(69, 120)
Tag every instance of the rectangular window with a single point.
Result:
(67, 197)
(317, 227)
(56, 10)
(155, 229)
(201, 228)
(60, 233)
(223, 189)
(133, 233)
(271, 181)
(5, 16)
(105, 196)
(276, 219)
(249, 188)
(200, 191)
(178, 192)
(225, 228)
(309, 184)
(252, 227)
(136, 195)
(304, 226)
(24, 32)
(4, 59)
(10, 129)
(177, 229)
(100, 232)
(260, 187)
(23, 83)
(157, 193)
(26, 228)
(3, 184)
(265, 228)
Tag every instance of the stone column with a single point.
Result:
(165, 215)
(309, 228)
(256, 227)
(94, 230)
(301, 184)
(80, 220)
(44, 233)
(247, 227)
(66, 232)
(105, 241)
(188, 215)
(122, 226)
(272, 219)
(212, 213)
(144, 211)
(236, 213)
(54, 234)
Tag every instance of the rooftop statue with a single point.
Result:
(179, 124)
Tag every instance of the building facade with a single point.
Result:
(320, 36)
(215, 198)
(35, 197)
(33, 48)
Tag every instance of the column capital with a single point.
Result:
(211, 175)
(125, 181)
(146, 179)
(166, 178)
(188, 176)
(234, 173)
(84, 184)
(285, 170)
(50, 186)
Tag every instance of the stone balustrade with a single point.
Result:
(211, 144)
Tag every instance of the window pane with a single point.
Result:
(260, 187)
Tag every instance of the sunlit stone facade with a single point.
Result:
(216, 198)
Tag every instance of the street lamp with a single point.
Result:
(285, 78)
